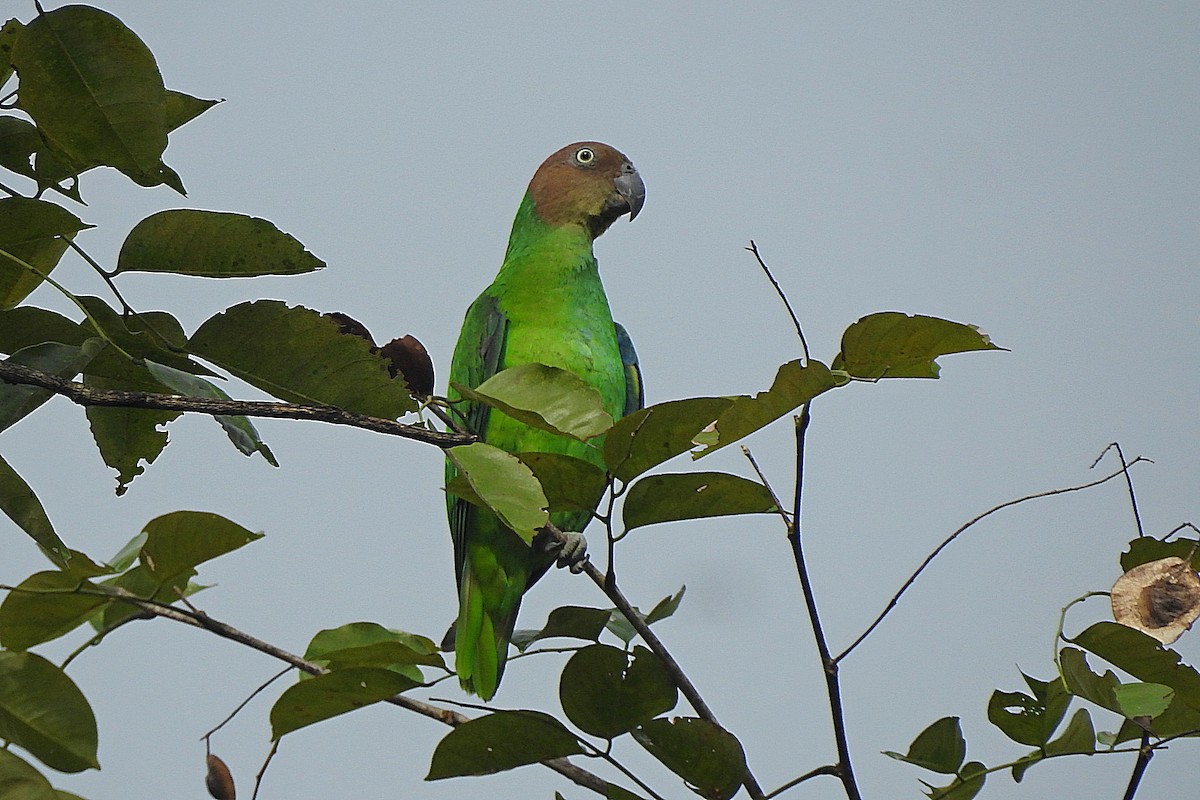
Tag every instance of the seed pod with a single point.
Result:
(219, 780)
(1159, 598)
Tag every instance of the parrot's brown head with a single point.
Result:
(589, 184)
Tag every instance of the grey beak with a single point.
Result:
(631, 189)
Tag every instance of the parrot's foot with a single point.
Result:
(569, 551)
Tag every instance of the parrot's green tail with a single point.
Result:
(485, 625)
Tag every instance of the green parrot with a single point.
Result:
(547, 306)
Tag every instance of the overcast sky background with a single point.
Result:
(1031, 168)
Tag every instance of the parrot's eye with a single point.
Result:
(585, 155)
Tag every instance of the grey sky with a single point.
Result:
(1027, 167)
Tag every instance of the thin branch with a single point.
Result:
(608, 585)
(258, 778)
(783, 514)
(929, 559)
(826, 769)
(244, 703)
(1145, 753)
(85, 395)
(833, 688)
(753, 248)
(1137, 517)
(562, 766)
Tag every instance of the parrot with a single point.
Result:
(547, 306)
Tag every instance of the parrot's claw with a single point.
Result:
(570, 551)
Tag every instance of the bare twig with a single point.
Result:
(945, 543)
(843, 768)
(258, 778)
(783, 514)
(826, 769)
(85, 395)
(244, 703)
(753, 248)
(1137, 517)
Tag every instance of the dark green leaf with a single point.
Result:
(605, 694)
(615, 792)
(128, 437)
(19, 140)
(693, 495)
(142, 583)
(94, 90)
(239, 429)
(44, 606)
(66, 361)
(1143, 699)
(501, 741)
(966, 784)
(1030, 720)
(666, 607)
(43, 711)
(548, 398)
(939, 748)
(155, 335)
(1142, 657)
(570, 484)
(34, 232)
(505, 485)
(1079, 737)
(1082, 682)
(1145, 549)
(708, 758)
(181, 540)
(19, 780)
(8, 39)
(895, 345)
(574, 622)
(334, 693)
(180, 108)
(647, 438)
(27, 325)
(368, 644)
(21, 505)
(299, 356)
(794, 385)
(213, 244)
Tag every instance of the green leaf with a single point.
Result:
(37, 233)
(606, 694)
(368, 644)
(895, 345)
(333, 693)
(647, 438)
(693, 495)
(573, 622)
(155, 335)
(20, 780)
(299, 356)
(128, 437)
(1145, 549)
(181, 540)
(44, 607)
(1142, 657)
(8, 39)
(21, 505)
(966, 784)
(1143, 699)
(505, 485)
(570, 484)
(1082, 682)
(1030, 720)
(939, 748)
(615, 792)
(501, 741)
(708, 758)
(794, 385)
(666, 607)
(23, 326)
(43, 711)
(213, 244)
(239, 429)
(548, 398)
(94, 90)
(19, 140)
(66, 361)
(181, 108)
(1079, 737)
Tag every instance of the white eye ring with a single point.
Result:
(585, 155)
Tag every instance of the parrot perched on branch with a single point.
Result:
(546, 306)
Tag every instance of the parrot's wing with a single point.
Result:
(635, 392)
(487, 325)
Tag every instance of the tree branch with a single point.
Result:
(85, 395)
(197, 619)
